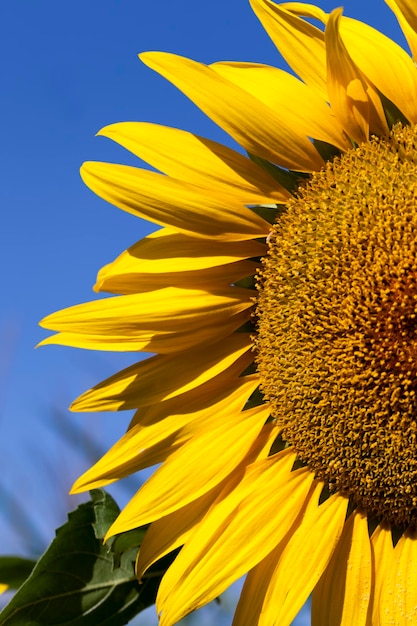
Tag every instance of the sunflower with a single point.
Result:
(279, 301)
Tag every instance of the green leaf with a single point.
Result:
(14, 570)
(77, 583)
(130, 540)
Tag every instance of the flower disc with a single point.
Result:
(337, 340)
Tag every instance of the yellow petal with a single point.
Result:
(252, 124)
(129, 276)
(398, 603)
(167, 258)
(300, 43)
(165, 376)
(175, 529)
(342, 596)
(339, 59)
(284, 93)
(166, 201)
(277, 588)
(198, 161)
(225, 544)
(382, 555)
(163, 321)
(187, 473)
(183, 253)
(384, 63)
(161, 430)
(347, 91)
(406, 13)
(172, 531)
(305, 10)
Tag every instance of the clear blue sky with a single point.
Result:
(69, 68)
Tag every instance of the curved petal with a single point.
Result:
(121, 280)
(198, 161)
(168, 202)
(382, 555)
(187, 473)
(284, 93)
(165, 376)
(172, 531)
(384, 63)
(225, 546)
(168, 258)
(347, 92)
(175, 529)
(163, 321)
(251, 123)
(406, 14)
(154, 436)
(277, 588)
(355, 100)
(300, 43)
(342, 595)
(386, 66)
(306, 10)
(398, 604)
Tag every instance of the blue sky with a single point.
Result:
(68, 69)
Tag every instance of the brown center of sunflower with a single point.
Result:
(337, 333)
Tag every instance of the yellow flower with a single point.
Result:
(284, 419)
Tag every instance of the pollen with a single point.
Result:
(337, 325)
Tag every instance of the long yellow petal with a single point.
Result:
(163, 321)
(252, 124)
(187, 473)
(225, 544)
(347, 92)
(384, 63)
(284, 93)
(172, 531)
(406, 13)
(198, 161)
(175, 529)
(354, 98)
(300, 43)
(168, 202)
(382, 555)
(130, 277)
(398, 604)
(342, 595)
(301, 9)
(165, 376)
(183, 253)
(168, 258)
(281, 584)
(157, 434)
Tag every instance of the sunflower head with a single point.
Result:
(279, 302)
(337, 331)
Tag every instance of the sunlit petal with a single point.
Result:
(288, 95)
(300, 43)
(406, 13)
(166, 201)
(398, 604)
(197, 161)
(343, 593)
(251, 123)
